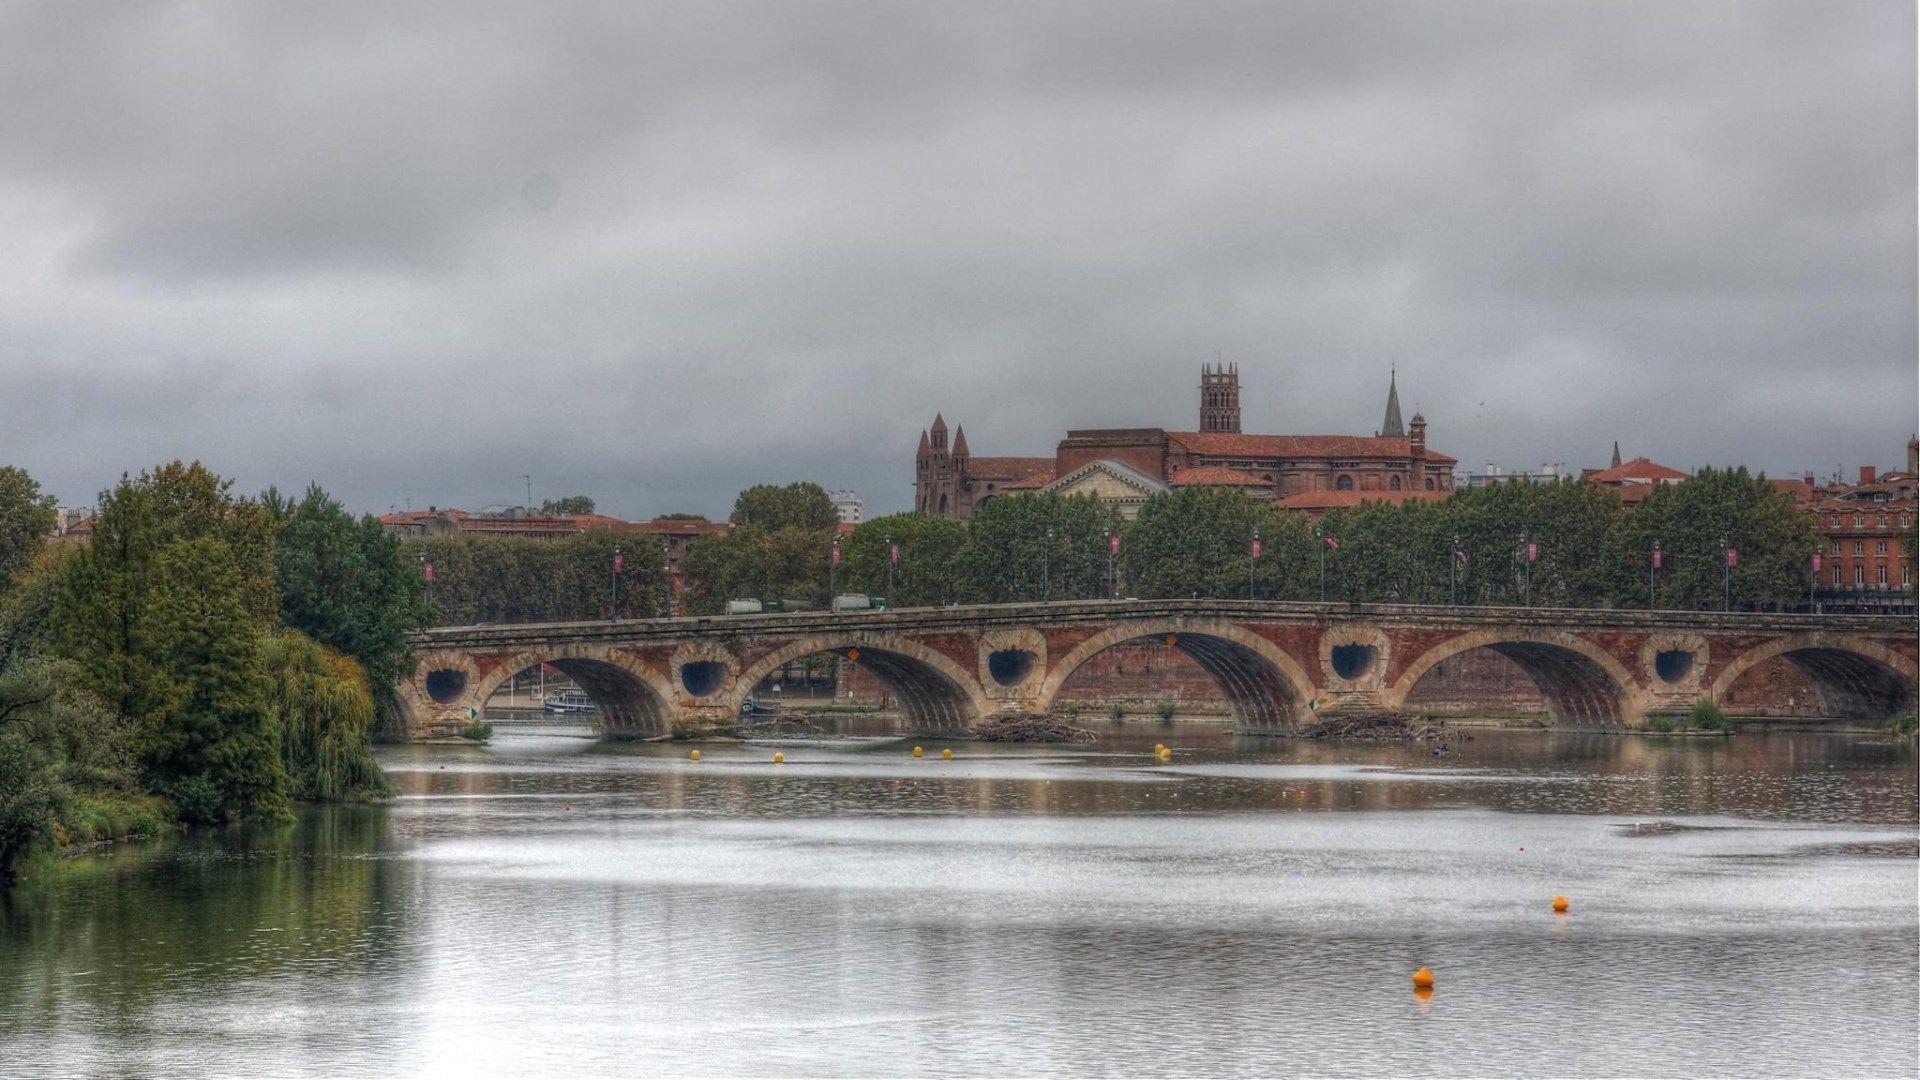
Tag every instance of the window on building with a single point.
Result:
(1883, 521)
(1835, 549)
(1859, 521)
(1343, 483)
(1859, 575)
(1837, 579)
(1879, 547)
(1429, 483)
(1393, 483)
(1859, 548)
(1880, 576)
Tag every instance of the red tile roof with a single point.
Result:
(1007, 468)
(1032, 481)
(1222, 444)
(1216, 476)
(1638, 471)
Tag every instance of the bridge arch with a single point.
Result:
(634, 701)
(936, 694)
(1857, 678)
(1266, 687)
(1583, 685)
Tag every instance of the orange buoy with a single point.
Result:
(1423, 994)
(1423, 979)
(853, 654)
(1171, 639)
(1560, 904)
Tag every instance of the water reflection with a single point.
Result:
(555, 905)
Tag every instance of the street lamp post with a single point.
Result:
(618, 565)
(1653, 568)
(1320, 541)
(833, 572)
(1813, 582)
(1046, 568)
(1453, 573)
(666, 578)
(1113, 565)
(893, 556)
(1253, 556)
(1527, 550)
(1726, 574)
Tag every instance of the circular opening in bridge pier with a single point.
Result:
(1353, 661)
(702, 677)
(1010, 667)
(1672, 665)
(446, 685)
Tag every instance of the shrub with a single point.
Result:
(1904, 723)
(477, 731)
(1166, 712)
(1073, 711)
(1661, 724)
(197, 799)
(1118, 714)
(1707, 717)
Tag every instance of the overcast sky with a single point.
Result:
(655, 253)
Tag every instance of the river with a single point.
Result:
(552, 905)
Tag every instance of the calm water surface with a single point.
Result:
(551, 905)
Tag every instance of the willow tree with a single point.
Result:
(325, 709)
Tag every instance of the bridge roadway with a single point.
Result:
(1278, 664)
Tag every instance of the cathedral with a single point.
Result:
(1127, 466)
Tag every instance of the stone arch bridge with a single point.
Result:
(1277, 664)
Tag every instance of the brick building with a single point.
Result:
(1864, 529)
(1127, 466)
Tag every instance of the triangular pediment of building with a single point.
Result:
(1108, 479)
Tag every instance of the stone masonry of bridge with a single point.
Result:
(1277, 665)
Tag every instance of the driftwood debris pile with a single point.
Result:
(1028, 727)
(787, 727)
(1379, 727)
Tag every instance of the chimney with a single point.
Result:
(1867, 474)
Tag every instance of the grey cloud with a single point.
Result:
(658, 252)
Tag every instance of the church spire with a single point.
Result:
(1391, 427)
(1616, 453)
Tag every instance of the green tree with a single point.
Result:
(213, 746)
(514, 579)
(58, 745)
(325, 709)
(27, 517)
(343, 584)
(1197, 541)
(1695, 520)
(755, 563)
(1010, 555)
(929, 549)
(799, 505)
(162, 613)
(571, 504)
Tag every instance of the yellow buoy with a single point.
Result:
(1157, 747)
(946, 755)
(1560, 904)
(693, 755)
(917, 751)
(1165, 754)
(1423, 979)
(779, 758)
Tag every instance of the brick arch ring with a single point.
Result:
(634, 699)
(1226, 650)
(1573, 698)
(938, 694)
(1902, 667)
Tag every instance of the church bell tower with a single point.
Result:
(1220, 398)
